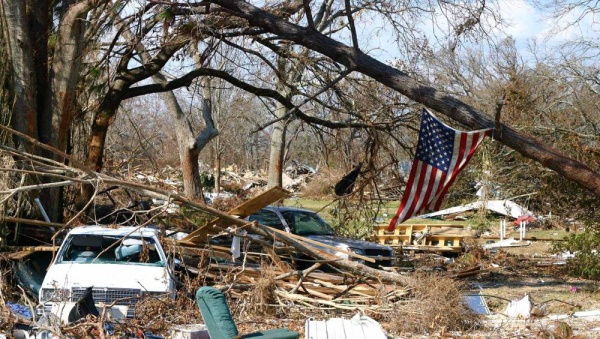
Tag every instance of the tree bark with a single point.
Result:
(65, 72)
(189, 148)
(277, 149)
(428, 96)
(16, 36)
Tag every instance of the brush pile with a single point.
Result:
(264, 286)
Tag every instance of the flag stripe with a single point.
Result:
(411, 179)
(442, 153)
(461, 141)
(421, 188)
(474, 140)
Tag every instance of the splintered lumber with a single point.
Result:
(320, 244)
(312, 300)
(257, 203)
(351, 267)
(323, 285)
(31, 222)
(466, 273)
(204, 232)
(201, 234)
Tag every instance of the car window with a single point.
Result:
(103, 249)
(267, 218)
(306, 223)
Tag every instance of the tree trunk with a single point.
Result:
(277, 149)
(44, 100)
(189, 148)
(65, 72)
(218, 172)
(428, 96)
(188, 154)
(16, 36)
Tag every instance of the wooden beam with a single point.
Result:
(31, 222)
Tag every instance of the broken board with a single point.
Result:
(201, 234)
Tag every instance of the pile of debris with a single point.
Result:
(348, 288)
(261, 285)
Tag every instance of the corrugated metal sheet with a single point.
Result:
(359, 327)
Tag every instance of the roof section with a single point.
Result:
(118, 231)
(504, 207)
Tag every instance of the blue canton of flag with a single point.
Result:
(437, 142)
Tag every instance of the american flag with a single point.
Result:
(442, 153)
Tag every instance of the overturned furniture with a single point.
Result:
(220, 324)
(423, 237)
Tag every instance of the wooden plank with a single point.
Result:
(201, 234)
(259, 202)
(282, 266)
(19, 255)
(32, 222)
(33, 248)
(320, 244)
(24, 252)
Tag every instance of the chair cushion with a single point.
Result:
(279, 333)
(216, 314)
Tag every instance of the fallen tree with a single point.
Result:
(356, 60)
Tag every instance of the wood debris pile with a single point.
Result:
(349, 287)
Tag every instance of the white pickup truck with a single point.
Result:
(120, 264)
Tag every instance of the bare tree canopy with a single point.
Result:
(301, 61)
(356, 60)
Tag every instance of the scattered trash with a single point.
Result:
(507, 243)
(358, 327)
(19, 310)
(519, 308)
(191, 331)
(477, 303)
(540, 311)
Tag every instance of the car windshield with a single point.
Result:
(306, 223)
(105, 249)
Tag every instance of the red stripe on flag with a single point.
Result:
(464, 160)
(409, 185)
(431, 185)
(417, 192)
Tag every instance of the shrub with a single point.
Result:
(585, 246)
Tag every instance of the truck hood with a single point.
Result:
(334, 240)
(69, 275)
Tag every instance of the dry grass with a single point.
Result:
(435, 304)
(159, 315)
(262, 295)
(321, 185)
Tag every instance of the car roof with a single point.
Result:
(115, 231)
(286, 208)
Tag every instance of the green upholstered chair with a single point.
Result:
(220, 324)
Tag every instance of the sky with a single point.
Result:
(524, 23)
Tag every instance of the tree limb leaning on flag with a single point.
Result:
(442, 152)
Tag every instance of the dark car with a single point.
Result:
(309, 224)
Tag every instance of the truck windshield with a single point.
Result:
(104, 249)
(306, 223)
